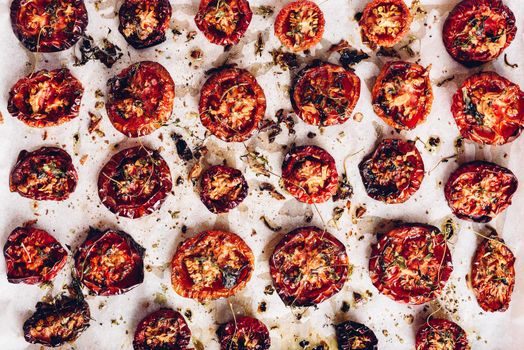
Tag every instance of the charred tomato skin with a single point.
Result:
(490, 95)
(42, 164)
(140, 98)
(61, 103)
(313, 243)
(435, 329)
(321, 87)
(162, 323)
(484, 20)
(231, 90)
(235, 185)
(393, 172)
(400, 249)
(244, 333)
(58, 32)
(355, 336)
(468, 179)
(143, 200)
(222, 254)
(45, 255)
(240, 15)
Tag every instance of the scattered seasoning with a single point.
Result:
(262, 307)
(266, 186)
(195, 172)
(269, 290)
(272, 128)
(83, 160)
(345, 307)
(358, 117)
(409, 319)
(269, 224)
(345, 190)
(336, 215)
(358, 16)
(264, 11)
(303, 344)
(359, 213)
(408, 48)
(196, 54)
(311, 135)
(433, 143)
(257, 162)
(349, 56)
(417, 9)
(176, 32)
(1, 118)
(449, 227)
(446, 80)
(182, 149)
(188, 314)
(514, 65)
(388, 52)
(108, 53)
(259, 45)
(190, 35)
(286, 60)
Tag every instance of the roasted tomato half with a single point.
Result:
(308, 266)
(140, 98)
(222, 188)
(223, 22)
(232, 104)
(325, 94)
(385, 22)
(309, 174)
(477, 31)
(493, 275)
(402, 95)
(411, 263)
(45, 174)
(442, 334)
(300, 25)
(165, 329)
(109, 262)
(33, 256)
(48, 25)
(135, 182)
(489, 109)
(479, 191)
(56, 323)
(211, 265)
(46, 98)
(144, 23)
(355, 336)
(244, 333)
(393, 172)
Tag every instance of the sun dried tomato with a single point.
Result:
(222, 188)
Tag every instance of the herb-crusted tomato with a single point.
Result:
(140, 98)
(33, 256)
(211, 265)
(393, 172)
(411, 263)
(48, 25)
(109, 262)
(489, 109)
(45, 174)
(441, 334)
(309, 174)
(355, 336)
(223, 22)
(164, 329)
(222, 188)
(402, 95)
(244, 333)
(308, 266)
(232, 104)
(135, 182)
(479, 191)
(478, 31)
(300, 25)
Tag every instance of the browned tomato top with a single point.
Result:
(325, 94)
(402, 95)
(355, 336)
(308, 266)
(479, 191)
(441, 334)
(489, 109)
(244, 333)
(48, 25)
(222, 188)
(164, 329)
(211, 265)
(411, 263)
(140, 98)
(232, 104)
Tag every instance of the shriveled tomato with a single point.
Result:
(393, 172)
(232, 104)
(325, 94)
(109, 262)
(402, 95)
(385, 22)
(244, 333)
(489, 109)
(211, 265)
(411, 263)
(478, 31)
(223, 22)
(222, 188)
(48, 25)
(164, 329)
(45, 174)
(355, 336)
(140, 98)
(300, 25)
(135, 182)
(479, 191)
(308, 266)
(439, 333)
(309, 174)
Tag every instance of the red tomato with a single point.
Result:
(222, 188)
(244, 333)
(355, 336)
(165, 329)
(439, 333)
